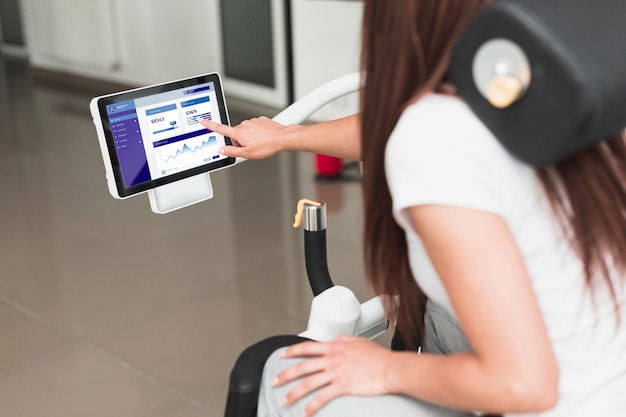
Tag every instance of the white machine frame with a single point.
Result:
(336, 311)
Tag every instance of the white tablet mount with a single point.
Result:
(198, 188)
(179, 194)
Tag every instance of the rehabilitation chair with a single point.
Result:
(546, 77)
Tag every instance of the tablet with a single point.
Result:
(152, 136)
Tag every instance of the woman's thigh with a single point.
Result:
(442, 335)
(271, 400)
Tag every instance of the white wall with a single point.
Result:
(136, 42)
(327, 44)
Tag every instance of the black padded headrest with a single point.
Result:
(576, 50)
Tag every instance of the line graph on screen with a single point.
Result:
(211, 142)
(191, 153)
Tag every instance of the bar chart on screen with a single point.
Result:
(163, 120)
(194, 109)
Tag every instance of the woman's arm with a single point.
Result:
(262, 137)
(512, 367)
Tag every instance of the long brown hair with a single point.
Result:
(587, 192)
(406, 45)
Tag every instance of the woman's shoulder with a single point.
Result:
(440, 152)
(443, 126)
(443, 119)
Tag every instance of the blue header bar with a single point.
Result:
(194, 101)
(184, 136)
(160, 109)
(199, 89)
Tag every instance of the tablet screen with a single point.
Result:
(154, 137)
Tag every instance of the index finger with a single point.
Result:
(217, 127)
(305, 349)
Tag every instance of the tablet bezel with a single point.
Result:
(99, 107)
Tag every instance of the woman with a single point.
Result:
(531, 263)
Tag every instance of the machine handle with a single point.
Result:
(312, 215)
(316, 261)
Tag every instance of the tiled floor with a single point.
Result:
(109, 310)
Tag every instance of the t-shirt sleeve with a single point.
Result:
(440, 153)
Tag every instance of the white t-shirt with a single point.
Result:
(440, 153)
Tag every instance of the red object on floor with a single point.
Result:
(328, 166)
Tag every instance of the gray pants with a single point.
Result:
(442, 336)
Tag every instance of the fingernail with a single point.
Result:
(221, 151)
(275, 382)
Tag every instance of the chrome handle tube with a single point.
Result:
(315, 254)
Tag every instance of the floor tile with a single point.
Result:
(102, 290)
(24, 339)
(80, 382)
(193, 346)
(34, 245)
(198, 412)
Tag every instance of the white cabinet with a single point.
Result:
(136, 42)
(141, 42)
(90, 40)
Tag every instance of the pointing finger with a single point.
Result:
(232, 151)
(217, 127)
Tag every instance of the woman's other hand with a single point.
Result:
(346, 366)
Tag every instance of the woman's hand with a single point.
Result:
(346, 366)
(256, 138)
